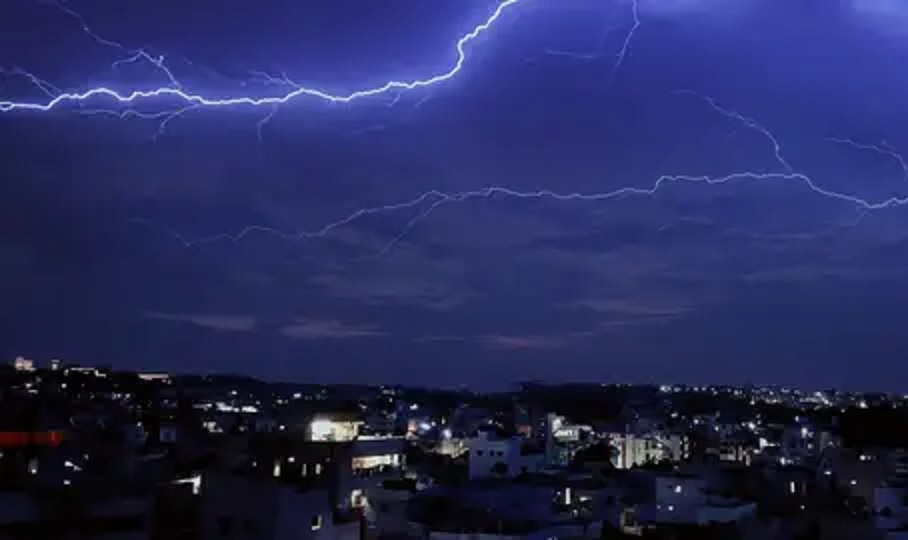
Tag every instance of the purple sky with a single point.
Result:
(754, 279)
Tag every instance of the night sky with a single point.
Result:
(752, 280)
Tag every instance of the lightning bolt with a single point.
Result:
(260, 125)
(270, 80)
(862, 204)
(412, 224)
(296, 237)
(175, 91)
(44, 86)
(585, 56)
(165, 117)
(884, 150)
(749, 123)
(622, 53)
(626, 46)
(132, 55)
(436, 198)
(574, 55)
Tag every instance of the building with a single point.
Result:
(26, 515)
(23, 364)
(79, 370)
(683, 499)
(336, 427)
(158, 377)
(635, 450)
(890, 505)
(786, 488)
(491, 456)
(854, 473)
(388, 504)
(482, 511)
(739, 446)
(451, 446)
(348, 470)
(238, 505)
(563, 439)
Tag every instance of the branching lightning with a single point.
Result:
(437, 198)
(431, 200)
(625, 47)
(746, 122)
(132, 55)
(165, 117)
(176, 92)
(426, 203)
(884, 149)
(48, 89)
(623, 51)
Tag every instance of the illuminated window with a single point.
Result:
(330, 430)
(318, 469)
(304, 469)
(277, 468)
(371, 462)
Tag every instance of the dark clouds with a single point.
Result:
(751, 280)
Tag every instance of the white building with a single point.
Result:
(735, 452)
(159, 377)
(453, 447)
(23, 364)
(84, 371)
(490, 456)
(334, 428)
(633, 450)
(565, 432)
